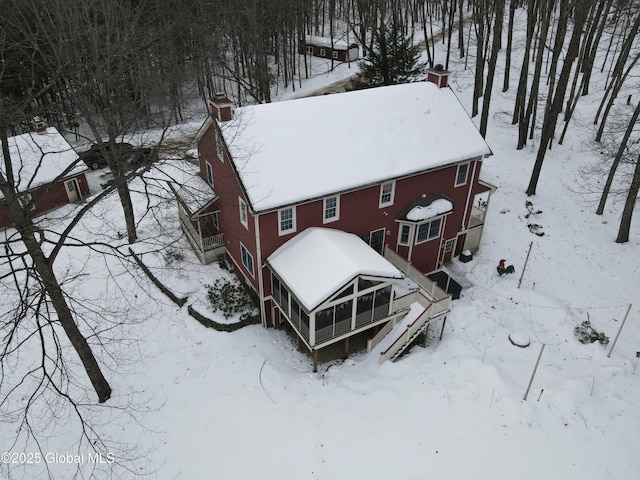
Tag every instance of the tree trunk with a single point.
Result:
(495, 48)
(528, 117)
(25, 227)
(627, 212)
(507, 61)
(521, 94)
(552, 112)
(617, 159)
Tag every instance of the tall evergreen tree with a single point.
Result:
(394, 59)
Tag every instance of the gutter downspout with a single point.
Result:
(256, 225)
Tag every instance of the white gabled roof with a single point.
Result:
(327, 42)
(291, 151)
(319, 261)
(39, 158)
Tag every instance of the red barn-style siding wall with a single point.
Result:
(227, 187)
(47, 198)
(360, 214)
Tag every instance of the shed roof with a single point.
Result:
(319, 261)
(328, 42)
(292, 151)
(39, 158)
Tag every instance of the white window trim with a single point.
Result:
(466, 177)
(402, 225)
(324, 210)
(334, 54)
(323, 52)
(242, 208)
(219, 146)
(248, 254)
(293, 221)
(209, 169)
(417, 228)
(393, 194)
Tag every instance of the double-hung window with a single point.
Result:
(286, 220)
(247, 259)
(428, 231)
(387, 191)
(405, 234)
(461, 175)
(331, 209)
(244, 218)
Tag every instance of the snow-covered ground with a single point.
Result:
(246, 405)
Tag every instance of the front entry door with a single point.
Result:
(376, 240)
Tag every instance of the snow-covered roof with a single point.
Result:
(319, 261)
(327, 42)
(195, 194)
(432, 209)
(291, 151)
(39, 158)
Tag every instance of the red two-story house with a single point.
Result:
(398, 167)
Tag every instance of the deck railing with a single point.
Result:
(432, 309)
(414, 328)
(208, 243)
(428, 285)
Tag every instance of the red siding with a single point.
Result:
(52, 197)
(227, 187)
(360, 214)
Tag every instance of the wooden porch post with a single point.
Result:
(315, 361)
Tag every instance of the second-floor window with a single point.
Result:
(461, 175)
(286, 220)
(387, 191)
(244, 218)
(331, 209)
(209, 173)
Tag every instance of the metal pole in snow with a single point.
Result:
(525, 266)
(620, 330)
(534, 371)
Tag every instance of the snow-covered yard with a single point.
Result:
(246, 405)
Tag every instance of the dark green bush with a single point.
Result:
(231, 298)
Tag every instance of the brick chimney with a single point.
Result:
(221, 107)
(38, 125)
(438, 75)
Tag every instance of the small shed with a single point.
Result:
(47, 172)
(324, 47)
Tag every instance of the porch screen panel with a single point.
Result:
(343, 313)
(381, 302)
(364, 309)
(304, 324)
(324, 324)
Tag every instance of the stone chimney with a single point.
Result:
(438, 75)
(38, 125)
(221, 107)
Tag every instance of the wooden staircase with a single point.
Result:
(395, 338)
